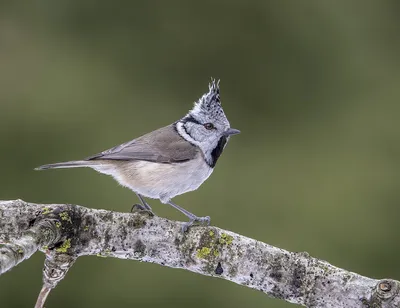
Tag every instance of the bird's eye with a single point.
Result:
(209, 126)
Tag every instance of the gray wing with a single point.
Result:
(163, 145)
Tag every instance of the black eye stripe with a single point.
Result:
(190, 118)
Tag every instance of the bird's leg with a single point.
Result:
(144, 203)
(192, 218)
(144, 206)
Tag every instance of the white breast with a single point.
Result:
(162, 181)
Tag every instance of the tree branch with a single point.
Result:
(65, 232)
(23, 247)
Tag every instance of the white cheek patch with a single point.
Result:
(181, 130)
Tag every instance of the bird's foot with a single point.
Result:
(140, 208)
(196, 220)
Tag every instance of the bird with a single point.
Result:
(171, 160)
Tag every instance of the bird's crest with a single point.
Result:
(210, 103)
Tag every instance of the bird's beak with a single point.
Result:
(231, 131)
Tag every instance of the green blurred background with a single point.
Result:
(312, 85)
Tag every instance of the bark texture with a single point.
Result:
(65, 232)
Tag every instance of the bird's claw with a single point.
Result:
(139, 208)
(201, 220)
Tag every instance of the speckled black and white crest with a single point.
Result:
(209, 106)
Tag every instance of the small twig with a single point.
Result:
(55, 268)
(42, 296)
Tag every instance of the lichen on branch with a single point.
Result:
(65, 232)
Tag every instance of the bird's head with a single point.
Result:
(206, 125)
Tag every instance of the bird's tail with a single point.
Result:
(68, 164)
